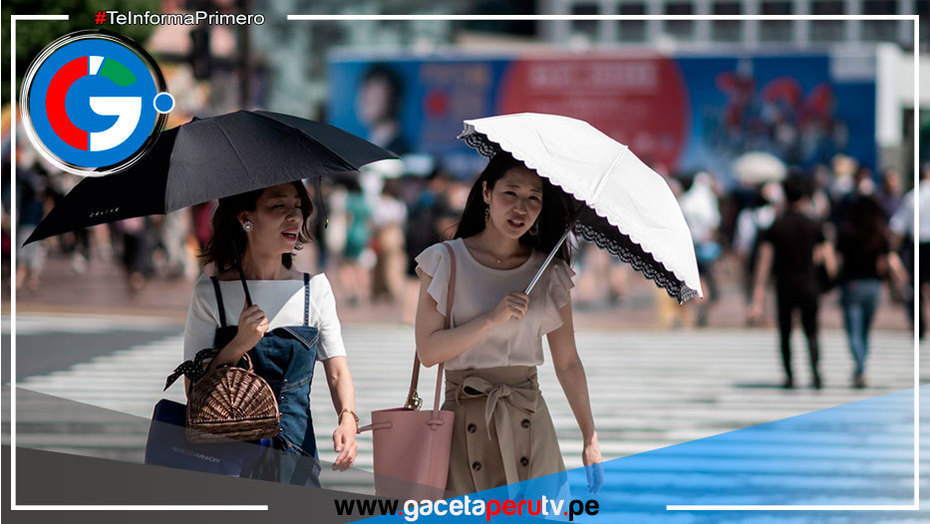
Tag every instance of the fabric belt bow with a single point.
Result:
(524, 398)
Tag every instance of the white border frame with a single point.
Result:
(916, 39)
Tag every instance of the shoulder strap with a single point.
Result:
(219, 301)
(413, 398)
(306, 299)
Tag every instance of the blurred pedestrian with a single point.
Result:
(791, 249)
(890, 193)
(821, 204)
(173, 232)
(388, 220)
(422, 228)
(356, 260)
(865, 253)
(76, 243)
(426, 218)
(843, 184)
(701, 209)
(902, 225)
(138, 246)
(758, 216)
(32, 185)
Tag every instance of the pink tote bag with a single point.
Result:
(411, 447)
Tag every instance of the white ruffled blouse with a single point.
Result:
(479, 288)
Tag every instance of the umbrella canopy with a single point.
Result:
(211, 158)
(625, 207)
(759, 167)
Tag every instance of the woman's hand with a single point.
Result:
(344, 443)
(513, 305)
(756, 308)
(591, 458)
(252, 326)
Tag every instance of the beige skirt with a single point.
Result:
(502, 433)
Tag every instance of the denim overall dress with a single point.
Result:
(285, 358)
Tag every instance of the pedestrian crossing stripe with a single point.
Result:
(648, 389)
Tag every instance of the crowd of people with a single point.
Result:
(836, 226)
(858, 228)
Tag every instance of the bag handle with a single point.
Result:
(413, 398)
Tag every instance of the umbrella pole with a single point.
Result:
(547, 261)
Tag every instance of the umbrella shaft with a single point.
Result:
(545, 264)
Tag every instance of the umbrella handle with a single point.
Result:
(545, 264)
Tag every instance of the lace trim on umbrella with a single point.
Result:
(622, 248)
(641, 262)
(480, 142)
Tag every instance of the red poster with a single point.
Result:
(640, 102)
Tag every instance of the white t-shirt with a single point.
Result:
(281, 300)
(479, 288)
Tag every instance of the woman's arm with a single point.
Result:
(571, 375)
(763, 268)
(570, 371)
(435, 344)
(342, 392)
(898, 273)
(826, 255)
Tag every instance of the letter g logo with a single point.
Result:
(94, 102)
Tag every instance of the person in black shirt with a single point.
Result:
(862, 243)
(790, 249)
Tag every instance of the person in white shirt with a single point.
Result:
(291, 324)
(902, 225)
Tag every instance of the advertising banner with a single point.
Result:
(684, 112)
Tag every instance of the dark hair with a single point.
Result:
(553, 219)
(227, 230)
(796, 187)
(394, 84)
(866, 220)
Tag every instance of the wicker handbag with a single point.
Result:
(231, 402)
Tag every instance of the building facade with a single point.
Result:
(743, 32)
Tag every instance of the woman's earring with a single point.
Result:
(247, 226)
(487, 214)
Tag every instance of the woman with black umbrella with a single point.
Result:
(292, 324)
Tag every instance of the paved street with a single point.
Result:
(649, 388)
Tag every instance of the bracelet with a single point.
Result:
(349, 411)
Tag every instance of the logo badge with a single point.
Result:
(94, 102)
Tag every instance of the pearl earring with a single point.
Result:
(247, 226)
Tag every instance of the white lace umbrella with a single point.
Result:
(625, 207)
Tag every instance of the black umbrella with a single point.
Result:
(211, 158)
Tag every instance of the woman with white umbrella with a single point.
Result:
(502, 431)
(548, 175)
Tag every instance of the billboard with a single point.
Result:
(683, 112)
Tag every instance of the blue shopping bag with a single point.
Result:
(168, 446)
